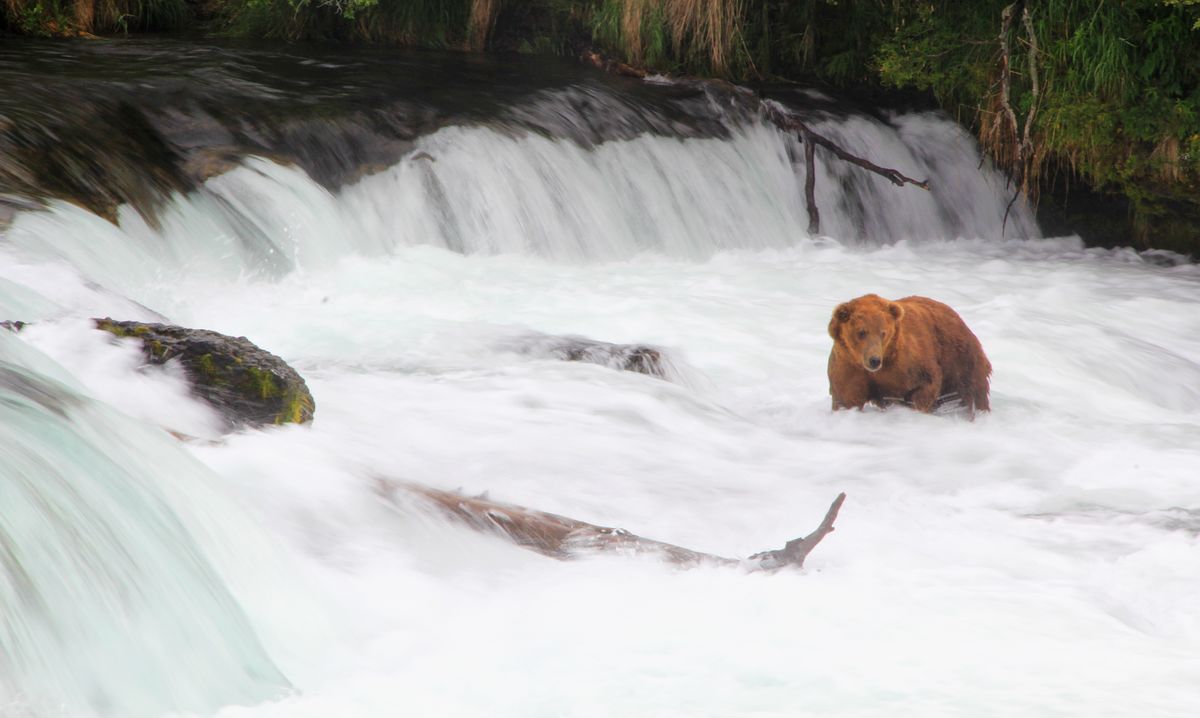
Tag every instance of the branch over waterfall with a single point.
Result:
(786, 121)
(789, 122)
(566, 538)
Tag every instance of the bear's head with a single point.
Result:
(866, 328)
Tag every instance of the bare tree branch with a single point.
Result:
(789, 122)
(894, 176)
(795, 551)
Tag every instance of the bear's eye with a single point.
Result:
(862, 333)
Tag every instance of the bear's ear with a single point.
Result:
(896, 310)
(841, 314)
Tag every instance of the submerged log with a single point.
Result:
(565, 538)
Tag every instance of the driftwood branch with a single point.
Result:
(811, 139)
(894, 176)
(795, 551)
(565, 538)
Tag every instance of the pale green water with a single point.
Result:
(109, 604)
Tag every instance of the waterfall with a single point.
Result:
(483, 190)
(110, 606)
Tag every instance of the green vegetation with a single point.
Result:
(1117, 108)
(463, 24)
(72, 18)
(1071, 97)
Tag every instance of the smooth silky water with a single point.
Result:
(1042, 560)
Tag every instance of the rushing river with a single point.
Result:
(397, 243)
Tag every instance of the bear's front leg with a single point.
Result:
(925, 396)
(848, 386)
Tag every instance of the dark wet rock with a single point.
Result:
(12, 326)
(249, 386)
(640, 358)
(109, 124)
(1165, 258)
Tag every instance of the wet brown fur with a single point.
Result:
(925, 352)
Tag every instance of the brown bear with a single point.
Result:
(914, 351)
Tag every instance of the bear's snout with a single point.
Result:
(873, 363)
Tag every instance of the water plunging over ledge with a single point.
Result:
(459, 152)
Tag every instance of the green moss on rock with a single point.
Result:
(297, 408)
(205, 364)
(260, 383)
(248, 386)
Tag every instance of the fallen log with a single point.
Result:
(565, 538)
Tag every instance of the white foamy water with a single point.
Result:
(1043, 560)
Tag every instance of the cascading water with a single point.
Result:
(110, 605)
(482, 190)
(411, 233)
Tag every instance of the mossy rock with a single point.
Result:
(249, 386)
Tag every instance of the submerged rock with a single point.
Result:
(640, 358)
(249, 386)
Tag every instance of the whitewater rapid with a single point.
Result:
(1043, 560)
